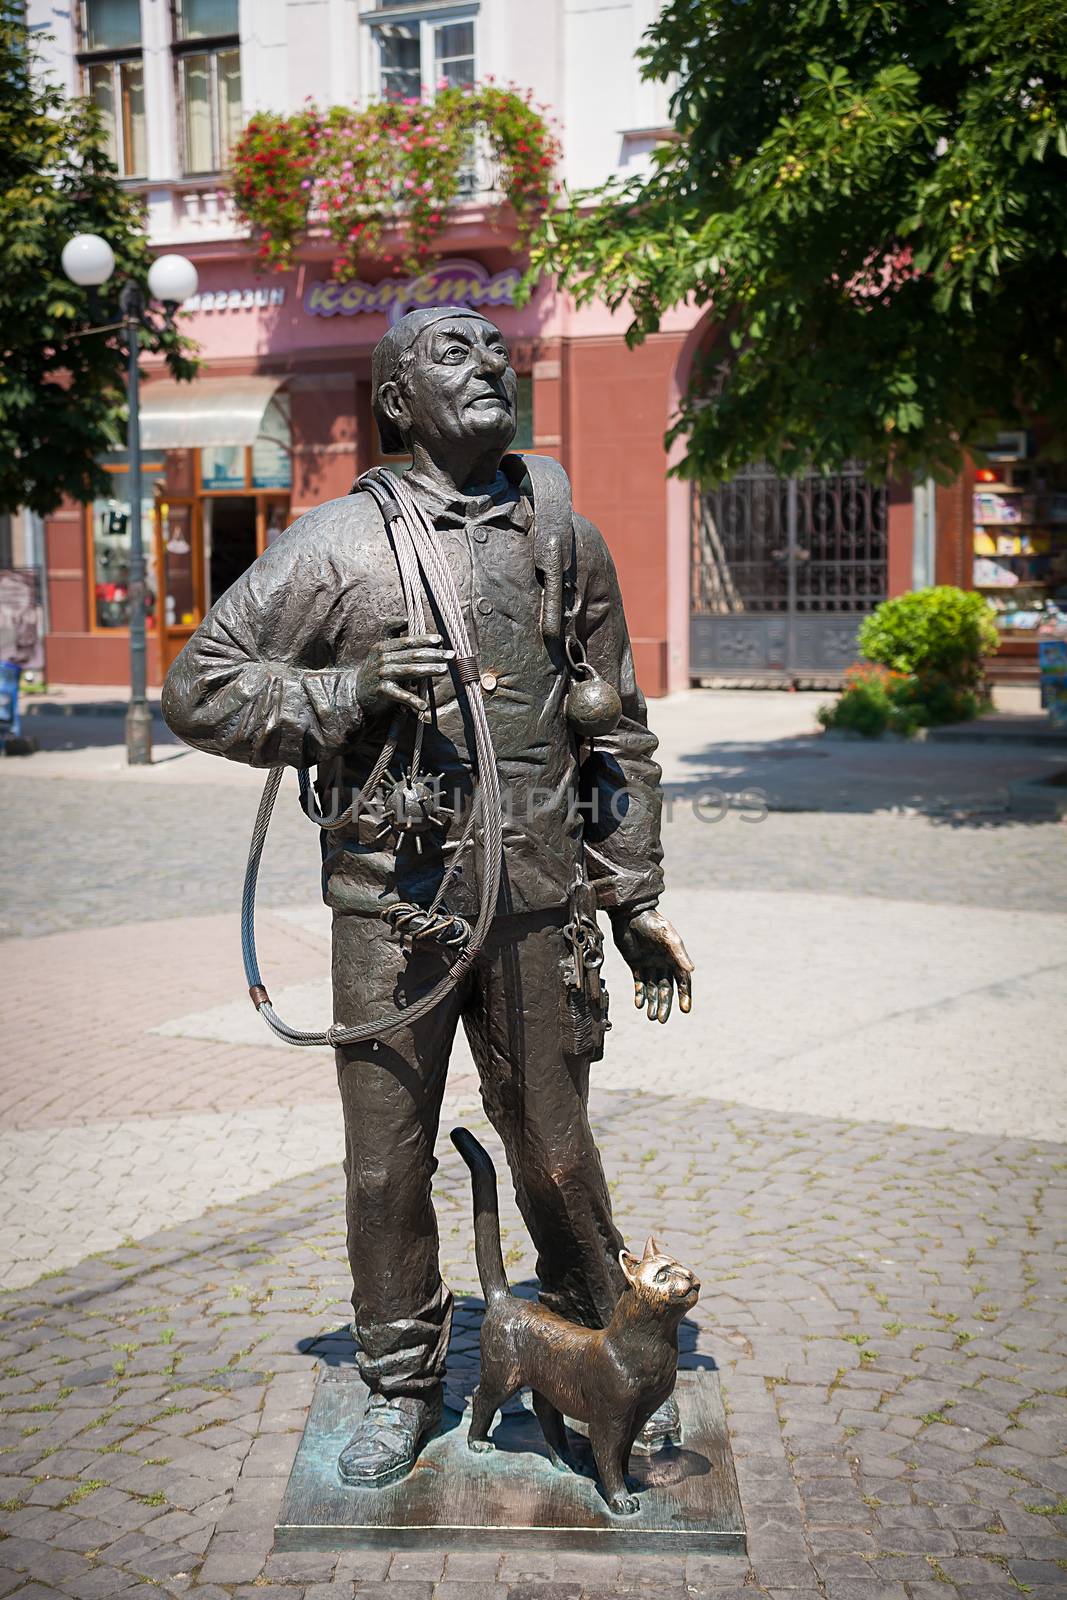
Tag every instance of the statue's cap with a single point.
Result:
(385, 360)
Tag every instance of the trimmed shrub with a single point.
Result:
(927, 653)
(871, 704)
(937, 634)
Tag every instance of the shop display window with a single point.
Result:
(110, 560)
(182, 607)
(272, 453)
(222, 466)
(1020, 544)
(266, 464)
(115, 82)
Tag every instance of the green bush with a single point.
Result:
(934, 699)
(940, 635)
(876, 700)
(871, 704)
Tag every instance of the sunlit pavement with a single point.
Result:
(856, 1138)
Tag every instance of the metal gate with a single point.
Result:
(783, 571)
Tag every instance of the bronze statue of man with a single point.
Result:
(303, 662)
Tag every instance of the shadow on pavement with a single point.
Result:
(92, 730)
(965, 785)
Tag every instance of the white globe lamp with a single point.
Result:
(172, 279)
(88, 260)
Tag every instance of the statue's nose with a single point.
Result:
(494, 361)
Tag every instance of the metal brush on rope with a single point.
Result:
(423, 571)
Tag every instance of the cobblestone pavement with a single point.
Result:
(152, 1090)
(882, 1305)
(884, 1300)
(79, 854)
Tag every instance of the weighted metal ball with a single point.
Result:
(593, 707)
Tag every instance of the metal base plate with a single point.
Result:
(513, 1498)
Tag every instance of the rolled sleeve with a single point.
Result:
(254, 683)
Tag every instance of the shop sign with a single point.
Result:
(451, 283)
(234, 299)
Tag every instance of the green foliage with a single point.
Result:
(62, 399)
(868, 706)
(943, 631)
(870, 195)
(390, 167)
(926, 651)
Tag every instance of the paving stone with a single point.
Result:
(456, 1589)
(100, 1583)
(771, 1574)
(403, 1590)
(236, 1557)
(298, 1566)
(470, 1566)
(269, 1591)
(1039, 1574)
(518, 1566)
(363, 1566)
(800, 1226)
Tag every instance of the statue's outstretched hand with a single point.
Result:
(653, 950)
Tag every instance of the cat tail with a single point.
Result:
(486, 1217)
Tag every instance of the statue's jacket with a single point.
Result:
(269, 679)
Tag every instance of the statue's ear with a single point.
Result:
(393, 405)
(630, 1266)
(652, 1249)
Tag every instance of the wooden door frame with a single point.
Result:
(173, 637)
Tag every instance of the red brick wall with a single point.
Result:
(326, 441)
(614, 404)
(955, 530)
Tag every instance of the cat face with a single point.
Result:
(658, 1277)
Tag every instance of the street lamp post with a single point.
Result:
(89, 262)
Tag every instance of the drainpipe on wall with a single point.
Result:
(924, 534)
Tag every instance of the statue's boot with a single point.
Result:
(386, 1444)
(663, 1427)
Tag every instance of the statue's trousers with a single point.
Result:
(535, 1095)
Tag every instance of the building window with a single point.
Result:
(419, 54)
(109, 551)
(113, 78)
(265, 464)
(207, 50)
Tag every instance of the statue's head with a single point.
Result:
(442, 377)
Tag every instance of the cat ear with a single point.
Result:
(652, 1249)
(630, 1266)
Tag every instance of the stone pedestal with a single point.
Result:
(513, 1498)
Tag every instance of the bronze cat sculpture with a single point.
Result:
(611, 1379)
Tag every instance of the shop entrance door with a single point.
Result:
(180, 569)
(237, 529)
(783, 570)
(231, 540)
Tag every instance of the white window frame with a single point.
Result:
(115, 58)
(429, 18)
(211, 46)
